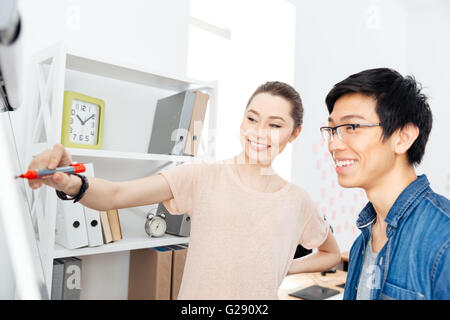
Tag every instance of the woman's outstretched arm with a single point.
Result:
(102, 194)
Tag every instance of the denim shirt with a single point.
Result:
(415, 261)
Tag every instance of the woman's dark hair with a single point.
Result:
(281, 89)
(399, 102)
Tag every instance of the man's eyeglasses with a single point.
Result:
(343, 130)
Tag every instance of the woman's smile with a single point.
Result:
(258, 146)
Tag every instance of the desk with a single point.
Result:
(295, 282)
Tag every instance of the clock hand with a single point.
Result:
(89, 118)
(82, 122)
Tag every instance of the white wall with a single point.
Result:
(428, 61)
(337, 38)
(260, 49)
(150, 33)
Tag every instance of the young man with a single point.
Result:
(379, 124)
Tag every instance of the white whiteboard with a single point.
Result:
(22, 275)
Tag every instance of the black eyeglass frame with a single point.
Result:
(353, 125)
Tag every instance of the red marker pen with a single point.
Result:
(33, 174)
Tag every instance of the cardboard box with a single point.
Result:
(178, 261)
(150, 274)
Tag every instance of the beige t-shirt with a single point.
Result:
(242, 241)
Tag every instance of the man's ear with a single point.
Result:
(295, 133)
(405, 138)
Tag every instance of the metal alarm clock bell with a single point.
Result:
(155, 225)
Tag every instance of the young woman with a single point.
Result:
(246, 221)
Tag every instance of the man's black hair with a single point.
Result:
(399, 102)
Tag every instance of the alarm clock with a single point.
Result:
(155, 225)
(82, 123)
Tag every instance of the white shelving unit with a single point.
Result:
(134, 237)
(127, 155)
(130, 93)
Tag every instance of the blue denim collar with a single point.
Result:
(404, 201)
(366, 216)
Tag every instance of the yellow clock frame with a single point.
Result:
(67, 113)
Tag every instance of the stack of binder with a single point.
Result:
(66, 279)
(79, 226)
(178, 123)
(179, 253)
(110, 226)
(156, 273)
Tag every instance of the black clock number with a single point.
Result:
(74, 136)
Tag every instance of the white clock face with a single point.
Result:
(158, 227)
(84, 121)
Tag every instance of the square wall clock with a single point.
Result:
(82, 123)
